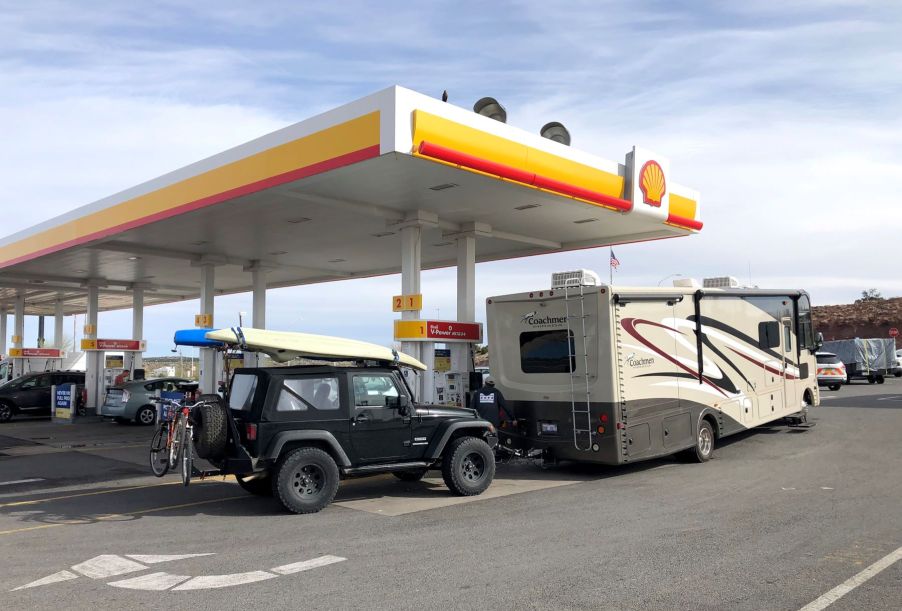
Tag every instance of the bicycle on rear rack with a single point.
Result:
(172, 443)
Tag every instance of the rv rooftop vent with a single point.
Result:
(721, 282)
(580, 277)
(686, 283)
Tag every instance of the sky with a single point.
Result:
(785, 116)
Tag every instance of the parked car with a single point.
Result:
(30, 394)
(831, 372)
(130, 402)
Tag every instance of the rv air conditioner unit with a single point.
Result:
(721, 282)
(580, 277)
(686, 283)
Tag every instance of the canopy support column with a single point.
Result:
(411, 267)
(94, 358)
(3, 332)
(258, 306)
(461, 359)
(58, 325)
(19, 332)
(208, 373)
(135, 360)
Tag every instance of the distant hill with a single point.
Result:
(864, 318)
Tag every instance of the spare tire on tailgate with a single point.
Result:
(211, 427)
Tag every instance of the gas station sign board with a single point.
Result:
(47, 353)
(125, 345)
(437, 331)
(407, 303)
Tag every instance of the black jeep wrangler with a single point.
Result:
(294, 432)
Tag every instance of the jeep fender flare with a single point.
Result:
(279, 441)
(441, 440)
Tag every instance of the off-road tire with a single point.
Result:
(835, 386)
(260, 485)
(146, 416)
(305, 480)
(468, 466)
(211, 427)
(881, 379)
(704, 444)
(6, 411)
(410, 476)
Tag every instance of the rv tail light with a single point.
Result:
(251, 430)
(600, 430)
(603, 417)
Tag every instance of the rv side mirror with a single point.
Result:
(819, 340)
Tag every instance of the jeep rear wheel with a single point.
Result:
(410, 476)
(468, 466)
(306, 480)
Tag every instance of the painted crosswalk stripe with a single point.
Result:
(153, 581)
(306, 565)
(224, 581)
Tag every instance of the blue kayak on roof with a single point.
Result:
(196, 337)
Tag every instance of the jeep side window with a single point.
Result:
(370, 390)
(241, 396)
(301, 394)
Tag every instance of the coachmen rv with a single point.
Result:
(612, 375)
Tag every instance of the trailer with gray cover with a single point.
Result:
(865, 359)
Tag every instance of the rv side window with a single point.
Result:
(768, 334)
(787, 337)
(547, 351)
(806, 329)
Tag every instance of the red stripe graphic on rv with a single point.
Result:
(629, 325)
(788, 376)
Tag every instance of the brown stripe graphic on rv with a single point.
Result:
(785, 374)
(629, 325)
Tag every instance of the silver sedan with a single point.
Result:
(130, 402)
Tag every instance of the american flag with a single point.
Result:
(614, 262)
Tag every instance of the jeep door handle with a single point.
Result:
(362, 418)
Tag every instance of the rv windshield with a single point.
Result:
(547, 351)
(806, 330)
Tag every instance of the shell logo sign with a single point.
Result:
(652, 183)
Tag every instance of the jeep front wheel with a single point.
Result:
(306, 480)
(468, 466)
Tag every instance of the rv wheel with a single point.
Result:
(881, 379)
(835, 386)
(704, 443)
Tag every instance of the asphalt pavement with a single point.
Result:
(777, 520)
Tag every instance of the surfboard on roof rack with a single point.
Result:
(283, 346)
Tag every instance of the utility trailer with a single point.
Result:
(865, 359)
(613, 375)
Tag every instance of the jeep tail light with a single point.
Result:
(251, 430)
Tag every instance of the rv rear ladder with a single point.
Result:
(581, 413)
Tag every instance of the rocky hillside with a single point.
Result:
(864, 318)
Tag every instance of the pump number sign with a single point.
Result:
(407, 303)
(437, 331)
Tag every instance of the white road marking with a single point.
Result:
(224, 581)
(107, 565)
(158, 558)
(153, 581)
(824, 601)
(891, 398)
(297, 567)
(22, 481)
(46, 581)
(826, 488)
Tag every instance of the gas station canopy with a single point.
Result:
(325, 199)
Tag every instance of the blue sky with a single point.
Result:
(784, 115)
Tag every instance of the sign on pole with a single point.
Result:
(437, 331)
(894, 332)
(407, 303)
(124, 345)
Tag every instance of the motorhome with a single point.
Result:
(612, 375)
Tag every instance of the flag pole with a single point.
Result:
(611, 265)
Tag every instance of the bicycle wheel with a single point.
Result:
(187, 457)
(159, 460)
(178, 435)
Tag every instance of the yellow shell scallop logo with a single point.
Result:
(652, 183)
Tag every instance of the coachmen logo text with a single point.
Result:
(639, 361)
(652, 183)
(534, 320)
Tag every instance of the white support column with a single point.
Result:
(135, 360)
(19, 332)
(466, 302)
(258, 307)
(411, 240)
(94, 358)
(58, 325)
(208, 373)
(3, 337)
